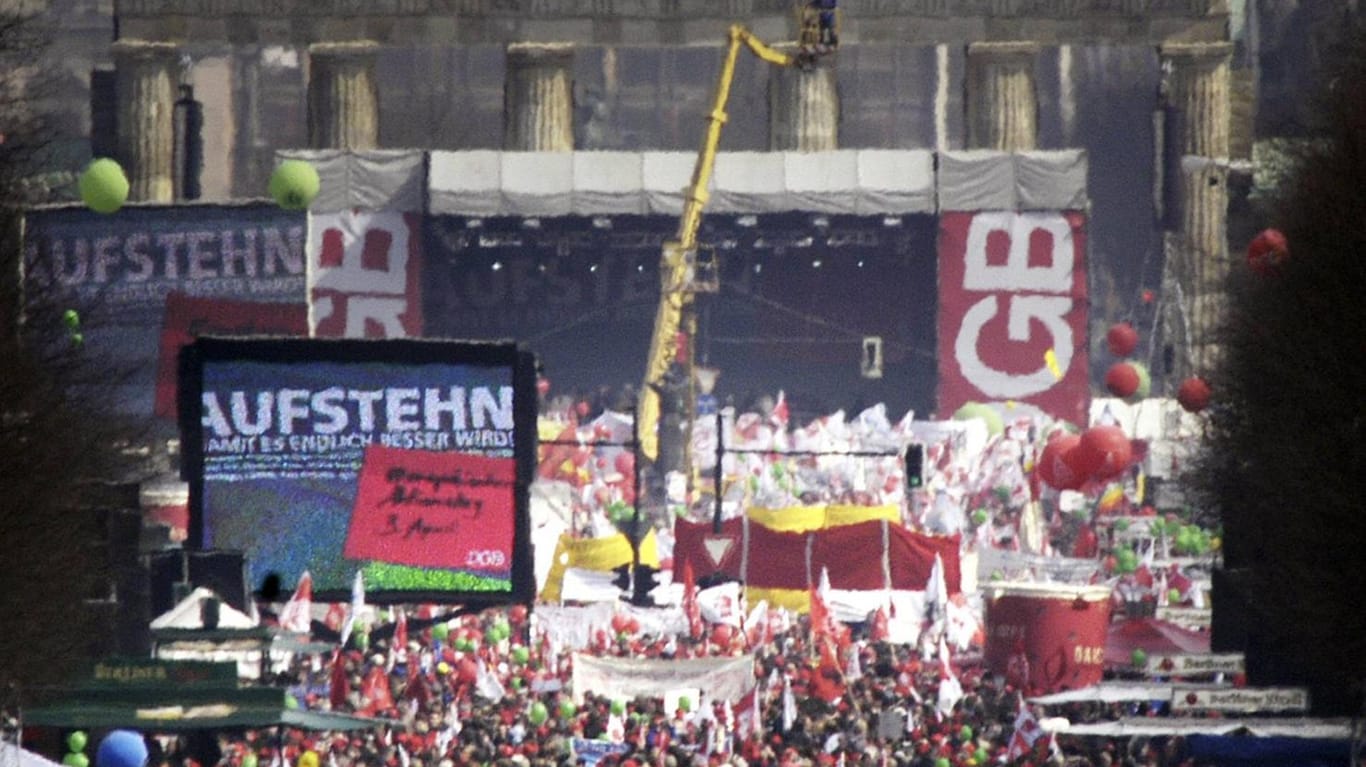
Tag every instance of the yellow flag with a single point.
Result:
(1050, 358)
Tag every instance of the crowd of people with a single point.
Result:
(462, 694)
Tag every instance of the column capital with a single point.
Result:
(145, 50)
(554, 54)
(1195, 53)
(342, 49)
(1004, 48)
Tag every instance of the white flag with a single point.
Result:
(487, 685)
(789, 705)
(297, 614)
(357, 603)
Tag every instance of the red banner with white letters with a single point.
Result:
(364, 274)
(1013, 311)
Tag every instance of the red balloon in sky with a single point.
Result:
(1267, 251)
(1104, 452)
(1053, 466)
(1193, 394)
(1122, 339)
(1122, 379)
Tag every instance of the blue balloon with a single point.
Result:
(121, 748)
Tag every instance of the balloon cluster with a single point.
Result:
(1068, 460)
(76, 757)
(1127, 379)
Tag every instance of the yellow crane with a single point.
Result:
(683, 272)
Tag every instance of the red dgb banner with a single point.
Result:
(428, 508)
(1012, 286)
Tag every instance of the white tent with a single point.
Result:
(14, 756)
(188, 614)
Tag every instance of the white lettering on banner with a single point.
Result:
(358, 276)
(334, 410)
(1014, 277)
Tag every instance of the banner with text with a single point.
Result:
(1012, 289)
(118, 271)
(398, 458)
(727, 679)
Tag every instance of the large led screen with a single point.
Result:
(405, 460)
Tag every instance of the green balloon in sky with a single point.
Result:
(294, 184)
(103, 186)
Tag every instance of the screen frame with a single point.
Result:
(521, 361)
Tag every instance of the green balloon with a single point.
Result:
(103, 186)
(362, 641)
(517, 683)
(538, 713)
(294, 184)
(77, 339)
(291, 702)
(1145, 382)
(685, 703)
(76, 741)
(520, 654)
(568, 709)
(965, 733)
(1173, 595)
(249, 759)
(76, 760)
(72, 318)
(618, 706)
(441, 631)
(985, 413)
(943, 761)
(980, 517)
(1139, 658)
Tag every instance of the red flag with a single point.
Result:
(340, 688)
(780, 411)
(375, 690)
(297, 613)
(879, 631)
(691, 609)
(336, 616)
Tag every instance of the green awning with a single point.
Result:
(176, 717)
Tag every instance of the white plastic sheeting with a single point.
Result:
(487, 183)
(861, 182)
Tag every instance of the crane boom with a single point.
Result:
(678, 261)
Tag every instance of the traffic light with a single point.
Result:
(914, 461)
(645, 579)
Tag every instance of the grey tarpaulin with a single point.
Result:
(982, 179)
(381, 179)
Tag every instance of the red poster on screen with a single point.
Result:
(1012, 287)
(425, 508)
(188, 317)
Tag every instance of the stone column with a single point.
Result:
(147, 75)
(1196, 88)
(538, 98)
(343, 95)
(804, 108)
(1002, 101)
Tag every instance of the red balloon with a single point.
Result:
(1053, 465)
(721, 634)
(1104, 452)
(517, 614)
(1267, 251)
(1122, 339)
(620, 623)
(542, 386)
(1122, 379)
(626, 463)
(467, 670)
(1193, 394)
(1087, 544)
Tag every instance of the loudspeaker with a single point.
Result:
(223, 572)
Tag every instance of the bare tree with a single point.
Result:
(55, 443)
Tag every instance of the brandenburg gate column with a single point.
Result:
(804, 107)
(538, 98)
(147, 76)
(1002, 99)
(343, 96)
(1196, 87)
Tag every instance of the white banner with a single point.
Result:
(725, 679)
(1242, 699)
(1194, 664)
